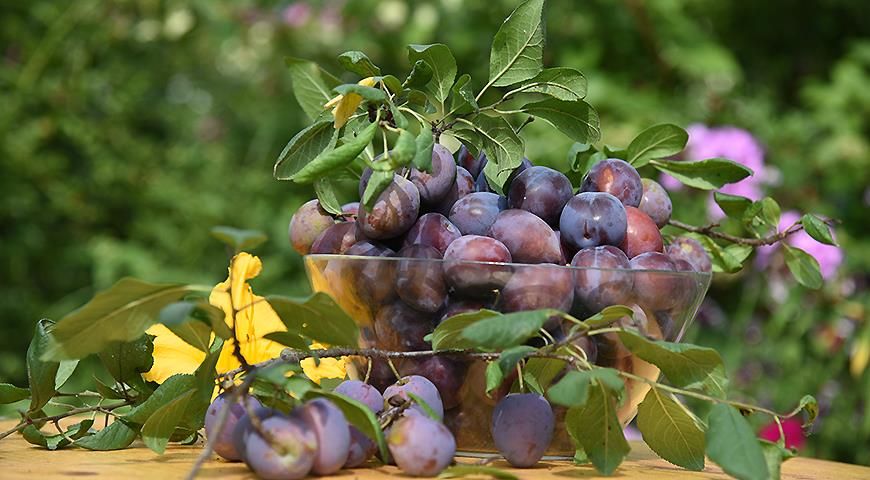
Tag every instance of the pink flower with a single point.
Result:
(296, 14)
(828, 256)
(791, 429)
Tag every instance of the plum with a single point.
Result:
(602, 277)
(291, 454)
(337, 238)
(527, 237)
(419, 282)
(538, 286)
(462, 186)
(641, 235)
(542, 191)
(433, 230)
(244, 428)
(591, 219)
(690, 250)
(401, 328)
(475, 213)
(434, 185)
(372, 279)
(616, 177)
(522, 428)
(224, 445)
(472, 164)
(420, 386)
(655, 202)
(446, 374)
(332, 431)
(394, 211)
(655, 286)
(474, 279)
(421, 447)
(307, 224)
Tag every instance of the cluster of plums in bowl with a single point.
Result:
(439, 243)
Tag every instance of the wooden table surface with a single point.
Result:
(19, 460)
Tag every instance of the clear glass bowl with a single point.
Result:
(395, 302)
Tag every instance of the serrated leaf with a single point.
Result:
(312, 86)
(378, 182)
(509, 358)
(503, 147)
(608, 315)
(576, 119)
(685, 365)
(404, 150)
(371, 94)
(304, 147)
(121, 313)
(809, 404)
(463, 97)
(459, 470)
(425, 140)
(127, 361)
(288, 339)
(732, 444)
(55, 442)
(708, 174)
(518, 46)
(580, 156)
(10, 393)
(494, 376)
(160, 425)
(419, 76)
(658, 141)
(468, 137)
(440, 60)
(339, 157)
(172, 388)
(317, 317)
(572, 390)
(359, 63)
(803, 267)
(64, 370)
(732, 205)
(178, 318)
(545, 370)
(817, 229)
(506, 330)
(357, 414)
(448, 334)
(325, 188)
(561, 83)
(774, 455)
(671, 430)
(595, 426)
(41, 373)
(532, 385)
(118, 435)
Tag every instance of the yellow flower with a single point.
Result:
(255, 318)
(344, 106)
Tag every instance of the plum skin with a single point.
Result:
(224, 445)
(330, 427)
(522, 428)
(394, 211)
(307, 224)
(361, 446)
(420, 386)
(295, 453)
(591, 219)
(421, 447)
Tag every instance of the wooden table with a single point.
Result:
(20, 460)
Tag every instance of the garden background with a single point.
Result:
(129, 128)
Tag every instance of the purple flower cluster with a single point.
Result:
(828, 256)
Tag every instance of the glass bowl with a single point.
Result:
(397, 301)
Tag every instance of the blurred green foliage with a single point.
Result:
(128, 129)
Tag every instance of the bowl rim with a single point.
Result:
(337, 256)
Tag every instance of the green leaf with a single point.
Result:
(576, 119)
(818, 229)
(732, 205)
(420, 75)
(494, 377)
(448, 334)
(378, 182)
(774, 455)
(560, 83)
(503, 147)
(728, 259)
(509, 358)
(463, 97)
(595, 426)
(118, 435)
(425, 140)
(658, 141)
(572, 390)
(544, 370)
(803, 267)
(404, 150)
(460, 470)
(518, 46)
(331, 160)
(708, 174)
(608, 315)
(359, 415)
(671, 430)
(64, 370)
(809, 404)
(41, 374)
(10, 393)
(204, 383)
(424, 406)
(160, 425)
(357, 62)
(318, 317)
(178, 319)
(304, 147)
(288, 339)
(174, 387)
(325, 188)
(58, 441)
(531, 383)
(732, 444)
(121, 313)
(468, 137)
(507, 330)
(312, 86)
(106, 391)
(581, 157)
(371, 94)
(127, 361)
(440, 60)
(685, 365)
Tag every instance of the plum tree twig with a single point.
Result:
(75, 411)
(710, 231)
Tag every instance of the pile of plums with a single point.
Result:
(316, 438)
(435, 244)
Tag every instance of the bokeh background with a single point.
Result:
(129, 128)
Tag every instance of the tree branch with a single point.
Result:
(755, 242)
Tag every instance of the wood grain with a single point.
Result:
(20, 460)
